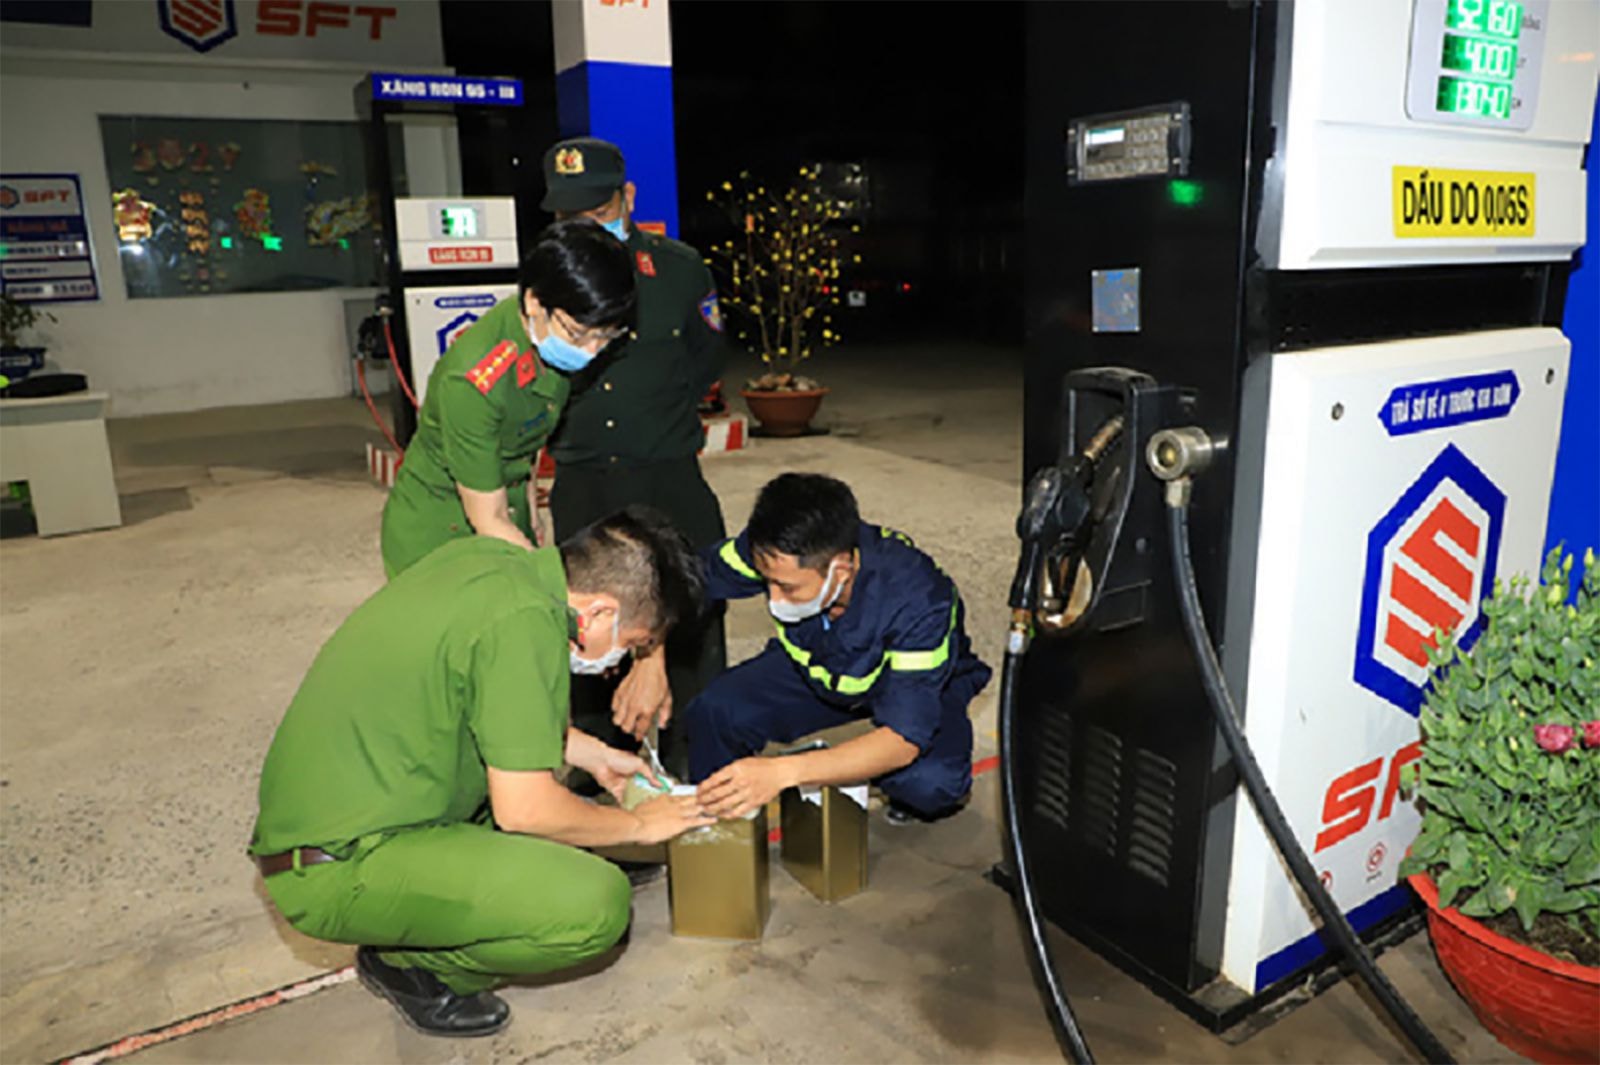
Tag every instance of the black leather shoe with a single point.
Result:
(426, 1003)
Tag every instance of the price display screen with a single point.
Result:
(458, 221)
(1476, 62)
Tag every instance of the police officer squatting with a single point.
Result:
(409, 802)
(442, 778)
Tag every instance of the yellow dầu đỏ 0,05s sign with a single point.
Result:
(1435, 202)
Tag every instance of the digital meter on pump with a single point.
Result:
(448, 256)
(470, 240)
(1448, 131)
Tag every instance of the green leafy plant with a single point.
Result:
(779, 272)
(1510, 770)
(17, 318)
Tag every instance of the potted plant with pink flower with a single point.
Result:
(1508, 859)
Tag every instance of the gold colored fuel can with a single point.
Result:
(718, 880)
(825, 840)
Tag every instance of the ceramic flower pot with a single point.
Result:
(1539, 1006)
(784, 413)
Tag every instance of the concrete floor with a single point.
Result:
(145, 669)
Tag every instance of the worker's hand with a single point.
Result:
(744, 786)
(643, 697)
(667, 816)
(612, 769)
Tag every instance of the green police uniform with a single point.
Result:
(457, 664)
(491, 403)
(632, 436)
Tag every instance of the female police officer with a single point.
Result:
(498, 393)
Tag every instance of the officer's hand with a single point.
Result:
(643, 696)
(612, 770)
(669, 815)
(744, 786)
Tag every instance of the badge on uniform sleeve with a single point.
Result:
(569, 161)
(647, 265)
(711, 312)
(493, 366)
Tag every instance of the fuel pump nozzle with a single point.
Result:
(1054, 526)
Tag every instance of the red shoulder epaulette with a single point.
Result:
(493, 366)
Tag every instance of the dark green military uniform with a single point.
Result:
(491, 404)
(632, 436)
(457, 664)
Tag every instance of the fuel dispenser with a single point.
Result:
(1293, 395)
(447, 258)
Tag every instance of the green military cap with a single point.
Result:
(581, 173)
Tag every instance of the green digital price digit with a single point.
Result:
(1483, 99)
(458, 221)
(1496, 18)
(1505, 19)
(1478, 57)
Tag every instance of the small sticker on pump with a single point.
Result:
(1434, 202)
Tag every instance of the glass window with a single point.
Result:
(210, 206)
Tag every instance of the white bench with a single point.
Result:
(59, 446)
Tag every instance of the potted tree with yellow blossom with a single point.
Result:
(780, 281)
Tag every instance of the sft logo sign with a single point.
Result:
(295, 18)
(204, 24)
(1430, 562)
(200, 24)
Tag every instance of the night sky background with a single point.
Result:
(927, 97)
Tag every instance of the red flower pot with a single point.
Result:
(784, 413)
(1545, 1009)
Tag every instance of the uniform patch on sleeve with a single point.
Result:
(493, 366)
(647, 265)
(711, 312)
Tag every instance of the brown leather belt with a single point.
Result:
(272, 864)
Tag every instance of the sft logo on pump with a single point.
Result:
(1348, 804)
(471, 307)
(1430, 561)
(452, 330)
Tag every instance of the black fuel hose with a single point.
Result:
(1227, 715)
(1040, 959)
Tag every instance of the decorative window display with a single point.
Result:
(210, 206)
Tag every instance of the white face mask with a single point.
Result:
(610, 660)
(790, 613)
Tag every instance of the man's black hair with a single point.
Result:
(638, 556)
(578, 267)
(807, 515)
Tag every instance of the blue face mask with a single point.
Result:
(617, 228)
(562, 354)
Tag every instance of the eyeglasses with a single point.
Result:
(580, 335)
